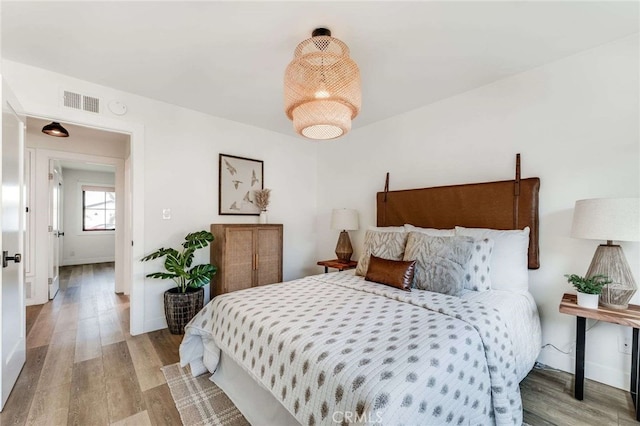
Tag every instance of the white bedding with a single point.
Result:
(519, 345)
(520, 312)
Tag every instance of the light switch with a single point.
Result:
(166, 214)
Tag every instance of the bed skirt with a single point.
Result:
(257, 404)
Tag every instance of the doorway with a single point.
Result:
(66, 170)
(85, 215)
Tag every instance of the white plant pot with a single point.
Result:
(589, 301)
(263, 217)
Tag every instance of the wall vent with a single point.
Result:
(82, 102)
(72, 100)
(90, 104)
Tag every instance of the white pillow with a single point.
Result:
(509, 260)
(430, 231)
(387, 243)
(477, 276)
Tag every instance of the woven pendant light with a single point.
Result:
(322, 87)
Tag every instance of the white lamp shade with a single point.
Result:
(344, 219)
(607, 219)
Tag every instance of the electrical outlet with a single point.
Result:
(624, 345)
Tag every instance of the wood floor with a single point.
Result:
(84, 368)
(547, 398)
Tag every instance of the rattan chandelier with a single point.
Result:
(322, 87)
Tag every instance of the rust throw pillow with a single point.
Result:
(394, 273)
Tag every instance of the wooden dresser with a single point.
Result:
(246, 256)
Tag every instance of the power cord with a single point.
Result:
(569, 352)
(593, 325)
(556, 348)
(541, 366)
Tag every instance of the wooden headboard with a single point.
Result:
(510, 204)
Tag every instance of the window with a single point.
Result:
(98, 208)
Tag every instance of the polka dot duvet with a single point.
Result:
(335, 349)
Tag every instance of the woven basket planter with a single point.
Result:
(179, 307)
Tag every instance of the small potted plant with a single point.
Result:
(186, 299)
(261, 197)
(589, 288)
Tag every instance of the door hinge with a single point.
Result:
(27, 209)
(50, 228)
(132, 243)
(49, 281)
(50, 176)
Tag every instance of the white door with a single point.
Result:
(12, 316)
(55, 219)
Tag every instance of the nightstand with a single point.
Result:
(629, 317)
(338, 264)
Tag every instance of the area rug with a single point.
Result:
(199, 401)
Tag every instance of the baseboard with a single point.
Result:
(616, 377)
(87, 261)
(32, 302)
(155, 324)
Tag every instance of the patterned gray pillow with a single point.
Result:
(440, 262)
(477, 276)
(385, 244)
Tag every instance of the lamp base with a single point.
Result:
(344, 251)
(616, 296)
(609, 260)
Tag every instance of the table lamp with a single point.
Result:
(610, 219)
(344, 220)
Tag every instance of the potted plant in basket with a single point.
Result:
(184, 301)
(589, 289)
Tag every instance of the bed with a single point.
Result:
(340, 349)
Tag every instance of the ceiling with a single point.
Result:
(227, 59)
(79, 136)
(87, 167)
(78, 133)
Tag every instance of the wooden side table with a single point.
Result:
(629, 317)
(338, 264)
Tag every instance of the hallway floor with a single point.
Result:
(83, 367)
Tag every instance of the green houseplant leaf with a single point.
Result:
(589, 285)
(157, 254)
(162, 275)
(200, 275)
(198, 240)
(177, 263)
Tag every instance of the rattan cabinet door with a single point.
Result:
(269, 255)
(246, 255)
(233, 254)
(238, 259)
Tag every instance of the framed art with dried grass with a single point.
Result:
(238, 178)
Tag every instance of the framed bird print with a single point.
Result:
(239, 177)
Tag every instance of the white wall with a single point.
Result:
(180, 165)
(575, 121)
(82, 247)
